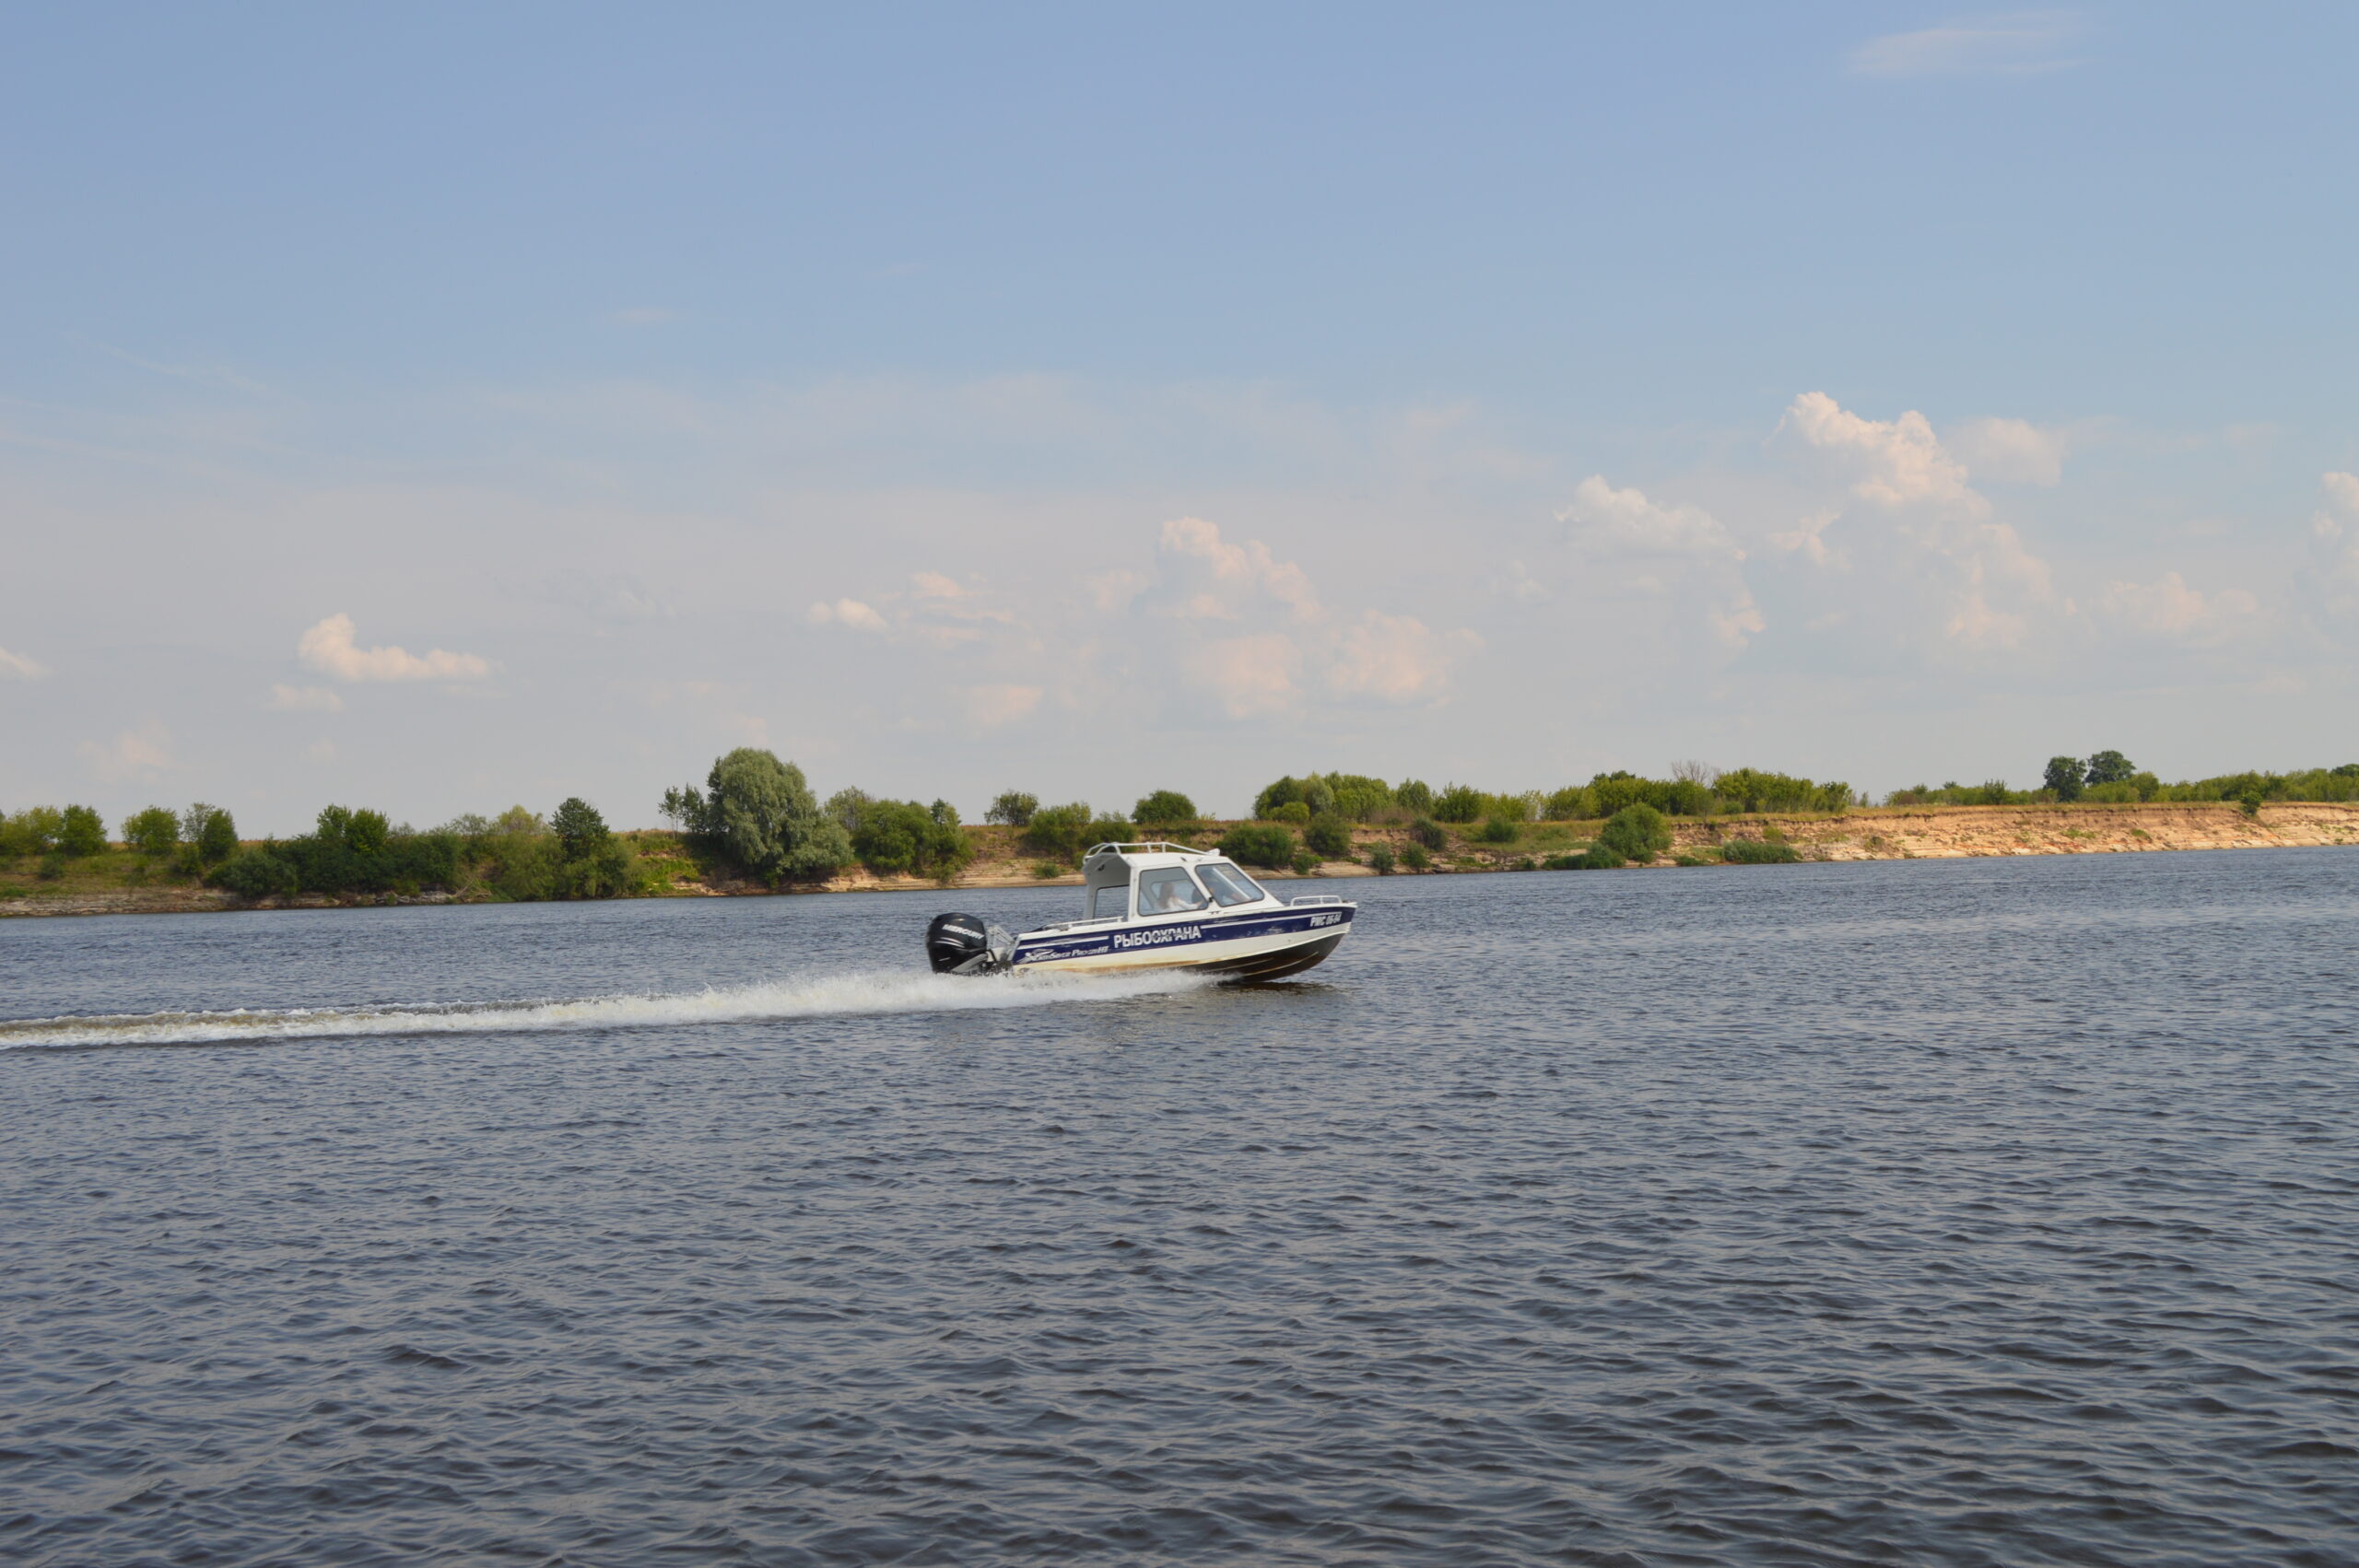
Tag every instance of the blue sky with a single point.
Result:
(1886, 392)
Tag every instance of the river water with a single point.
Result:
(1992, 1212)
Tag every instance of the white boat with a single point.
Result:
(1155, 906)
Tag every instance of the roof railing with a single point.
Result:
(1158, 847)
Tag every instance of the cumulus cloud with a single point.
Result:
(2334, 542)
(132, 754)
(1249, 567)
(849, 613)
(991, 706)
(1250, 677)
(330, 649)
(1894, 463)
(1929, 521)
(2172, 610)
(1604, 520)
(20, 667)
(1604, 523)
(2012, 451)
(934, 585)
(2014, 44)
(1398, 658)
(305, 699)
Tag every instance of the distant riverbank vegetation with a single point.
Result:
(756, 819)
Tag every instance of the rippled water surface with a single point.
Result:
(1953, 1213)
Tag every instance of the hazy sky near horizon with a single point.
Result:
(440, 407)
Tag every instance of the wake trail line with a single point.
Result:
(833, 995)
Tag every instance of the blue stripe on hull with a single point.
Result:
(1179, 935)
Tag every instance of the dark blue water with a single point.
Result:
(1999, 1211)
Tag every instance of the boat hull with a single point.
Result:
(1267, 945)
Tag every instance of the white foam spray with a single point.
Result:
(828, 995)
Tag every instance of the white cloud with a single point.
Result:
(1398, 658)
(20, 667)
(329, 648)
(2020, 44)
(132, 754)
(1808, 536)
(849, 613)
(2012, 451)
(991, 706)
(305, 699)
(934, 585)
(1249, 568)
(1941, 524)
(2334, 541)
(1894, 463)
(2170, 609)
(1604, 520)
(1250, 677)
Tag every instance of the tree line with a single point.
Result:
(759, 816)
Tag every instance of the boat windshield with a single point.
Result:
(1168, 891)
(1107, 903)
(1230, 885)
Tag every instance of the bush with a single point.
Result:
(1357, 798)
(1460, 803)
(1304, 863)
(1012, 807)
(81, 831)
(1757, 852)
(1058, 830)
(1329, 836)
(760, 812)
(1497, 830)
(52, 866)
(1596, 858)
(1428, 833)
(1254, 845)
(895, 836)
(2249, 800)
(1414, 795)
(1380, 860)
(1567, 805)
(1413, 856)
(1294, 812)
(155, 832)
(1044, 870)
(1286, 792)
(1636, 833)
(2117, 792)
(1164, 808)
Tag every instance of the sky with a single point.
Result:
(436, 408)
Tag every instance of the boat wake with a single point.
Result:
(834, 995)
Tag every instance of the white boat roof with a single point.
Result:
(1107, 864)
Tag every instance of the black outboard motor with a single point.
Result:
(967, 944)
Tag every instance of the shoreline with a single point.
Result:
(1868, 832)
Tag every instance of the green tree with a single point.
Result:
(579, 830)
(1570, 804)
(1294, 812)
(212, 830)
(32, 831)
(81, 832)
(1286, 792)
(2108, 768)
(1164, 808)
(760, 812)
(1060, 830)
(944, 813)
(2065, 777)
(1257, 845)
(1414, 795)
(1460, 803)
(1012, 807)
(1636, 833)
(155, 832)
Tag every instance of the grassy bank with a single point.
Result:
(118, 879)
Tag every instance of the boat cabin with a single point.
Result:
(1144, 880)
